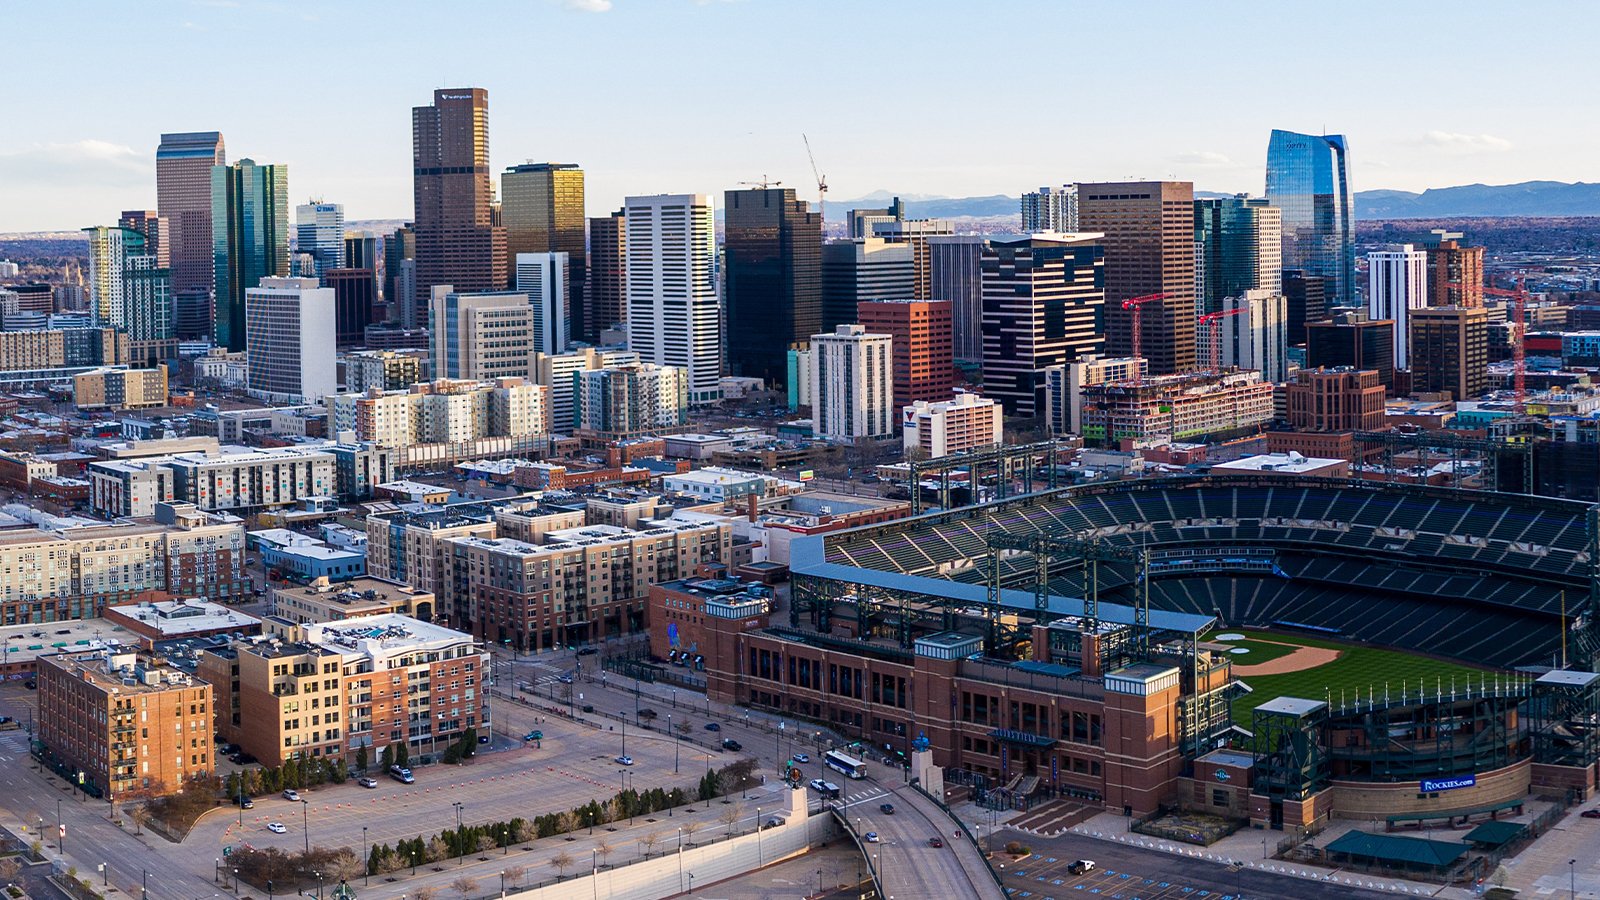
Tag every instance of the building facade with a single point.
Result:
(772, 277)
(183, 197)
(924, 367)
(674, 317)
(852, 385)
(1455, 273)
(1238, 247)
(1065, 384)
(1050, 209)
(480, 336)
(1449, 350)
(1337, 399)
(542, 208)
(622, 401)
(605, 297)
(543, 278)
(1351, 340)
(290, 330)
(1043, 305)
(457, 241)
(1308, 302)
(1397, 283)
(355, 303)
(955, 275)
(1308, 178)
(861, 271)
(319, 233)
(952, 426)
(1148, 235)
(1256, 337)
(249, 238)
(1176, 408)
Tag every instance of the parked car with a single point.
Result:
(565, 679)
(801, 758)
(712, 726)
(587, 651)
(293, 796)
(1081, 867)
(624, 760)
(647, 713)
(870, 837)
(277, 828)
(534, 735)
(244, 802)
(31, 685)
(1590, 814)
(935, 842)
(731, 744)
(886, 808)
(588, 708)
(402, 775)
(367, 781)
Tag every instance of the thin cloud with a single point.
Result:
(88, 161)
(1209, 158)
(1465, 143)
(589, 6)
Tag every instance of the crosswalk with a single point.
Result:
(863, 796)
(13, 744)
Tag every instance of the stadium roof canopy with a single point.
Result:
(807, 555)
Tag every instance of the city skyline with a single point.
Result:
(88, 153)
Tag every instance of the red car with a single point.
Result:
(1590, 814)
(935, 842)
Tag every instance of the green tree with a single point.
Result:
(386, 758)
(361, 757)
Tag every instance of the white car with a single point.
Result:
(292, 796)
(277, 828)
(624, 760)
(870, 837)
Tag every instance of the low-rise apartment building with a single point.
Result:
(130, 725)
(237, 478)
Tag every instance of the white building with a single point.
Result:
(674, 317)
(852, 384)
(1397, 282)
(1258, 337)
(289, 337)
(319, 231)
(558, 372)
(236, 478)
(1064, 384)
(480, 336)
(952, 426)
(631, 399)
(720, 485)
(543, 277)
(1050, 209)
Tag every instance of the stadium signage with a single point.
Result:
(1429, 785)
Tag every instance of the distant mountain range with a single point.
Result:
(1530, 198)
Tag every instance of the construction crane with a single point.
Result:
(1133, 303)
(822, 183)
(1519, 325)
(1214, 322)
(762, 184)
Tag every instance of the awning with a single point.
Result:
(1495, 834)
(1405, 851)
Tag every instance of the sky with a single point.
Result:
(923, 97)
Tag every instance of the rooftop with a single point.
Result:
(1290, 462)
(27, 642)
(177, 617)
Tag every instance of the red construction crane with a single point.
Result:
(1214, 321)
(1519, 325)
(1133, 303)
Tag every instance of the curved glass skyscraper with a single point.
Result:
(1308, 178)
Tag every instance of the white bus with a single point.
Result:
(853, 768)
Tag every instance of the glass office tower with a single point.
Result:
(1308, 178)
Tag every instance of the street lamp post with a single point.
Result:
(1572, 875)
(144, 883)
(624, 737)
(61, 832)
(305, 821)
(365, 855)
(760, 860)
(461, 846)
(674, 744)
(680, 858)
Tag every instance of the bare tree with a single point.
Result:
(733, 813)
(486, 843)
(515, 874)
(436, 850)
(139, 816)
(562, 861)
(649, 842)
(425, 893)
(604, 849)
(346, 866)
(465, 885)
(567, 822)
(689, 828)
(9, 868)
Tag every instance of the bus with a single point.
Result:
(853, 768)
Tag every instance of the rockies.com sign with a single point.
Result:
(1429, 785)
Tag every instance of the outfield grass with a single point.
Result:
(1357, 669)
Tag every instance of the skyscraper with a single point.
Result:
(183, 198)
(1050, 209)
(1149, 249)
(1256, 337)
(1455, 273)
(129, 291)
(457, 242)
(480, 336)
(863, 221)
(917, 233)
(1044, 298)
(157, 233)
(249, 238)
(400, 245)
(1239, 247)
(852, 389)
(543, 277)
(673, 315)
(606, 297)
(1307, 302)
(542, 207)
(857, 271)
(923, 367)
(319, 231)
(1449, 350)
(772, 260)
(1348, 339)
(1397, 283)
(955, 273)
(1308, 178)
(289, 328)
(355, 302)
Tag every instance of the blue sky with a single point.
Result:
(920, 97)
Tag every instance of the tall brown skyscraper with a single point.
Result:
(772, 279)
(1149, 245)
(1455, 273)
(607, 298)
(457, 241)
(542, 207)
(183, 198)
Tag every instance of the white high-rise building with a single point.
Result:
(1050, 209)
(1258, 337)
(319, 231)
(1397, 282)
(106, 254)
(480, 336)
(289, 340)
(543, 277)
(852, 385)
(674, 317)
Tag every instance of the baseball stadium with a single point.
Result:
(1265, 647)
